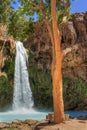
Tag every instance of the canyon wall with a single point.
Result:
(74, 45)
(73, 36)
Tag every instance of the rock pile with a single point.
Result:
(19, 125)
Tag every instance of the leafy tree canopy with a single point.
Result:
(19, 21)
(5, 9)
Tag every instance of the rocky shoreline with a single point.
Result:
(29, 124)
(19, 125)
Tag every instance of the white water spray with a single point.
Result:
(22, 97)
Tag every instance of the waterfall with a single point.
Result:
(22, 96)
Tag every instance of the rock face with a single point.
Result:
(68, 34)
(72, 33)
(75, 32)
(40, 46)
(19, 125)
(7, 44)
(74, 41)
(74, 45)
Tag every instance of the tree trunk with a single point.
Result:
(56, 69)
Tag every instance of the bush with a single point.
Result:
(75, 91)
(41, 85)
(9, 68)
(5, 93)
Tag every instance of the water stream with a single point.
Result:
(22, 97)
(22, 107)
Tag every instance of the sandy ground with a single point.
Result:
(72, 124)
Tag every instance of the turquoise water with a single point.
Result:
(32, 114)
(21, 115)
(76, 113)
(11, 117)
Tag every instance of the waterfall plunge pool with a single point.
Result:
(22, 97)
(24, 114)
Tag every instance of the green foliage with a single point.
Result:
(29, 7)
(5, 92)
(3, 83)
(6, 84)
(9, 68)
(19, 21)
(41, 85)
(5, 9)
(75, 91)
(19, 25)
(60, 15)
(81, 86)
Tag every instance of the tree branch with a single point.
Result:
(41, 8)
(68, 50)
(35, 5)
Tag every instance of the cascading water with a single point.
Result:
(22, 97)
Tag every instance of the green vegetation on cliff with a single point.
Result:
(41, 86)
(5, 93)
(9, 68)
(6, 85)
(75, 90)
(75, 94)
